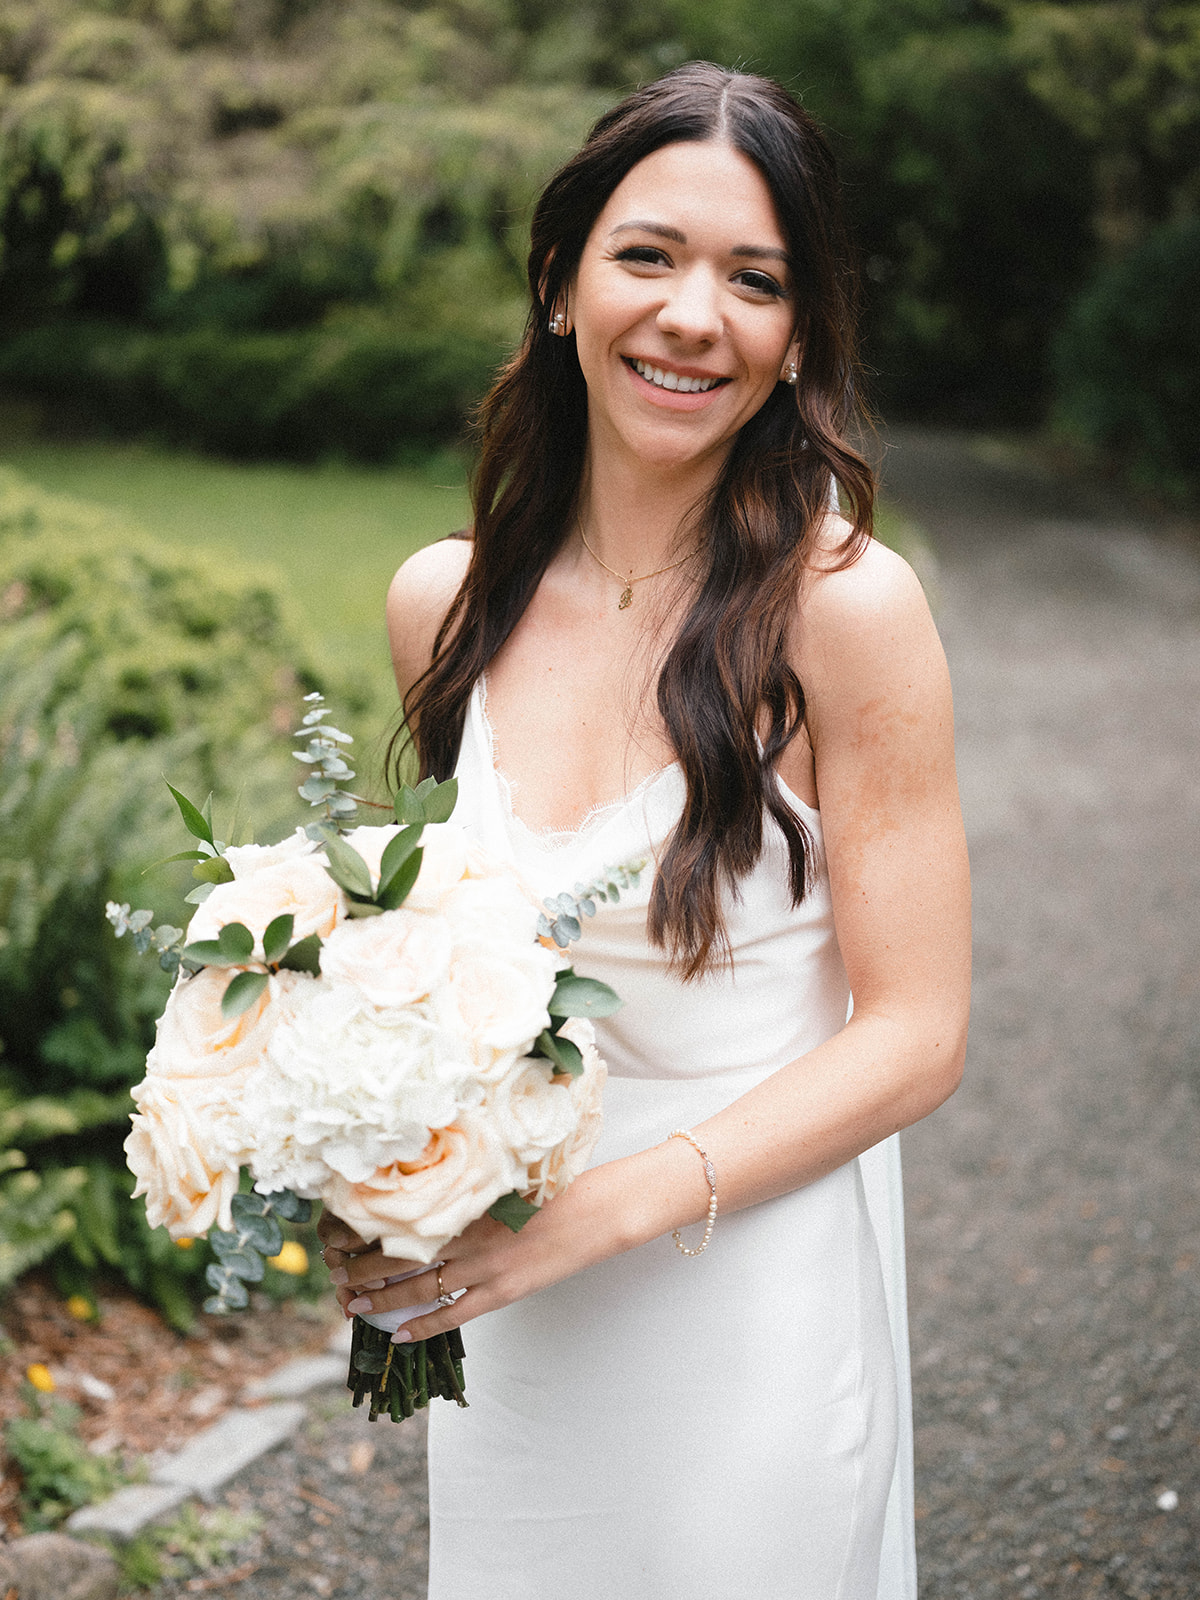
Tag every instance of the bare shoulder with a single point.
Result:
(862, 624)
(418, 599)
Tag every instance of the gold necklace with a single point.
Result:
(626, 599)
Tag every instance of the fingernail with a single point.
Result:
(339, 1275)
(363, 1303)
(402, 1336)
(377, 1283)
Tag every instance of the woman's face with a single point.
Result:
(682, 307)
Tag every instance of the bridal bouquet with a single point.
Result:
(381, 1019)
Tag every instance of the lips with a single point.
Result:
(674, 382)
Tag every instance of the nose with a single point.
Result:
(691, 310)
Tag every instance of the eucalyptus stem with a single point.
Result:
(401, 1379)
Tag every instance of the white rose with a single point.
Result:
(498, 1005)
(493, 913)
(195, 1040)
(414, 1208)
(299, 884)
(532, 1113)
(566, 1161)
(182, 1164)
(444, 851)
(246, 859)
(394, 959)
(348, 1087)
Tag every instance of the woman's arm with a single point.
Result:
(880, 722)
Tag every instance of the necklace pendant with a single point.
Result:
(626, 599)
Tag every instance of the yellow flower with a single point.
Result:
(185, 1244)
(81, 1308)
(292, 1258)
(39, 1377)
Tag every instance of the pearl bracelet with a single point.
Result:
(711, 1175)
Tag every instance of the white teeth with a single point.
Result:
(673, 380)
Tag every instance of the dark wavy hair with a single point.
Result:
(729, 699)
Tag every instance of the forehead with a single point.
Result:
(696, 187)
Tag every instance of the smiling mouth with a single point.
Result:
(664, 378)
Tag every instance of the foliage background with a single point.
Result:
(297, 226)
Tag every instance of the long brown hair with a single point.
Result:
(726, 676)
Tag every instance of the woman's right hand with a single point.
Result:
(340, 1245)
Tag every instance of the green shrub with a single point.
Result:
(120, 661)
(58, 1471)
(1128, 362)
(360, 387)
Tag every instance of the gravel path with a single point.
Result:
(1054, 1213)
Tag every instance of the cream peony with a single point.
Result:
(532, 1112)
(299, 884)
(186, 1170)
(566, 1161)
(414, 1208)
(348, 1087)
(394, 959)
(493, 914)
(370, 843)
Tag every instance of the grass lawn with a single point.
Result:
(333, 535)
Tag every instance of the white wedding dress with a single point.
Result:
(735, 1426)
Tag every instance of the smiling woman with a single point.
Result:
(769, 724)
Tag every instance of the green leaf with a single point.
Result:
(369, 1361)
(278, 936)
(441, 801)
(182, 855)
(582, 997)
(199, 894)
(249, 1205)
(513, 1210)
(402, 881)
(232, 947)
(304, 956)
(194, 820)
(213, 869)
(315, 788)
(365, 908)
(396, 853)
(242, 992)
(565, 1055)
(347, 868)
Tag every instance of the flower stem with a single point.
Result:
(401, 1379)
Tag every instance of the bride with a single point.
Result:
(688, 1374)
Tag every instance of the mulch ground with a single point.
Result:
(139, 1385)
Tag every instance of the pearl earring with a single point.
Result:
(791, 372)
(558, 324)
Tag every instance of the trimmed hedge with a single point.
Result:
(1128, 362)
(121, 660)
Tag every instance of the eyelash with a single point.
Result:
(650, 255)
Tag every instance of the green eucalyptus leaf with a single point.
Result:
(347, 868)
(304, 956)
(241, 993)
(290, 1207)
(402, 881)
(232, 947)
(369, 1361)
(194, 820)
(565, 1056)
(213, 869)
(262, 1234)
(396, 853)
(278, 937)
(582, 997)
(222, 1243)
(245, 1264)
(249, 1205)
(316, 788)
(565, 928)
(513, 1210)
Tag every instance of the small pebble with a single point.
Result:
(1168, 1500)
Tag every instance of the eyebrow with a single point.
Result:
(754, 252)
